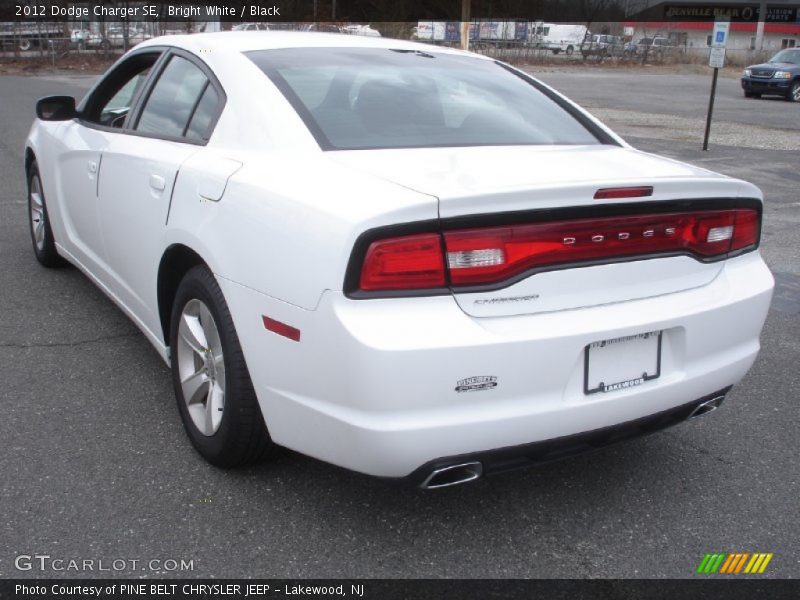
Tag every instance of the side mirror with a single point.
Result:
(56, 108)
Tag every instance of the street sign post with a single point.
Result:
(716, 60)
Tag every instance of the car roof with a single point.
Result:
(246, 41)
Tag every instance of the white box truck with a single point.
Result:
(558, 37)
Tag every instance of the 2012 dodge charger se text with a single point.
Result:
(410, 261)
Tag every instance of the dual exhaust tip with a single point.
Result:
(470, 471)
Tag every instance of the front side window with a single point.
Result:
(358, 98)
(111, 101)
(178, 104)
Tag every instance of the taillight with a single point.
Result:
(492, 255)
(404, 263)
(519, 248)
(624, 192)
(746, 230)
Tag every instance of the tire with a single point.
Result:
(44, 244)
(570, 50)
(794, 92)
(223, 421)
(25, 44)
(556, 50)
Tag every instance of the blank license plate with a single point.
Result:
(622, 363)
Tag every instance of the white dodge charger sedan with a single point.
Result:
(409, 261)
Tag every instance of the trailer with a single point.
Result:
(438, 31)
(27, 36)
(499, 31)
(487, 32)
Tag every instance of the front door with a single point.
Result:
(139, 170)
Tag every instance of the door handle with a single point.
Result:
(157, 182)
(92, 167)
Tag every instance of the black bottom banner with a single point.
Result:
(462, 589)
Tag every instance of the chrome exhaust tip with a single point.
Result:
(706, 407)
(452, 475)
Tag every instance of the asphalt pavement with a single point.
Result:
(665, 93)
(95, 464)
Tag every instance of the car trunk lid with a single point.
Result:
(487, 187)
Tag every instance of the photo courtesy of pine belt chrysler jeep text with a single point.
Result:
(410, 261)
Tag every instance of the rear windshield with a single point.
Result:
(364, 98)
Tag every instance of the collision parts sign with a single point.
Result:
(747, 12)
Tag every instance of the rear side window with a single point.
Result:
(200, 124)
(182, 103)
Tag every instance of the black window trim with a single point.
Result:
(132, 119)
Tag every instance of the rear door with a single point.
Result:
(172, 122)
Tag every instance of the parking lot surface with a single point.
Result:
(95, 464)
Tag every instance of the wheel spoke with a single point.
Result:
(219, 366)
(38, 233)
(191, 331)
(195, 387)
(213, 342)
(214, 406)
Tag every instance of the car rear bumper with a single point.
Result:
(766, 86)
(535, 453)
(371, 385)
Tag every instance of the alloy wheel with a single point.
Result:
(37, 213)
(201, 367)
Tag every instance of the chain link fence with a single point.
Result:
(64, 44)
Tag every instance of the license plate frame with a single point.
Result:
(602, 387)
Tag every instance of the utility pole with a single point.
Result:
(465, 24)
(762, 17)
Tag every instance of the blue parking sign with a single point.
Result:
(720, 37)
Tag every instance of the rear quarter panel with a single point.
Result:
(287, 223)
